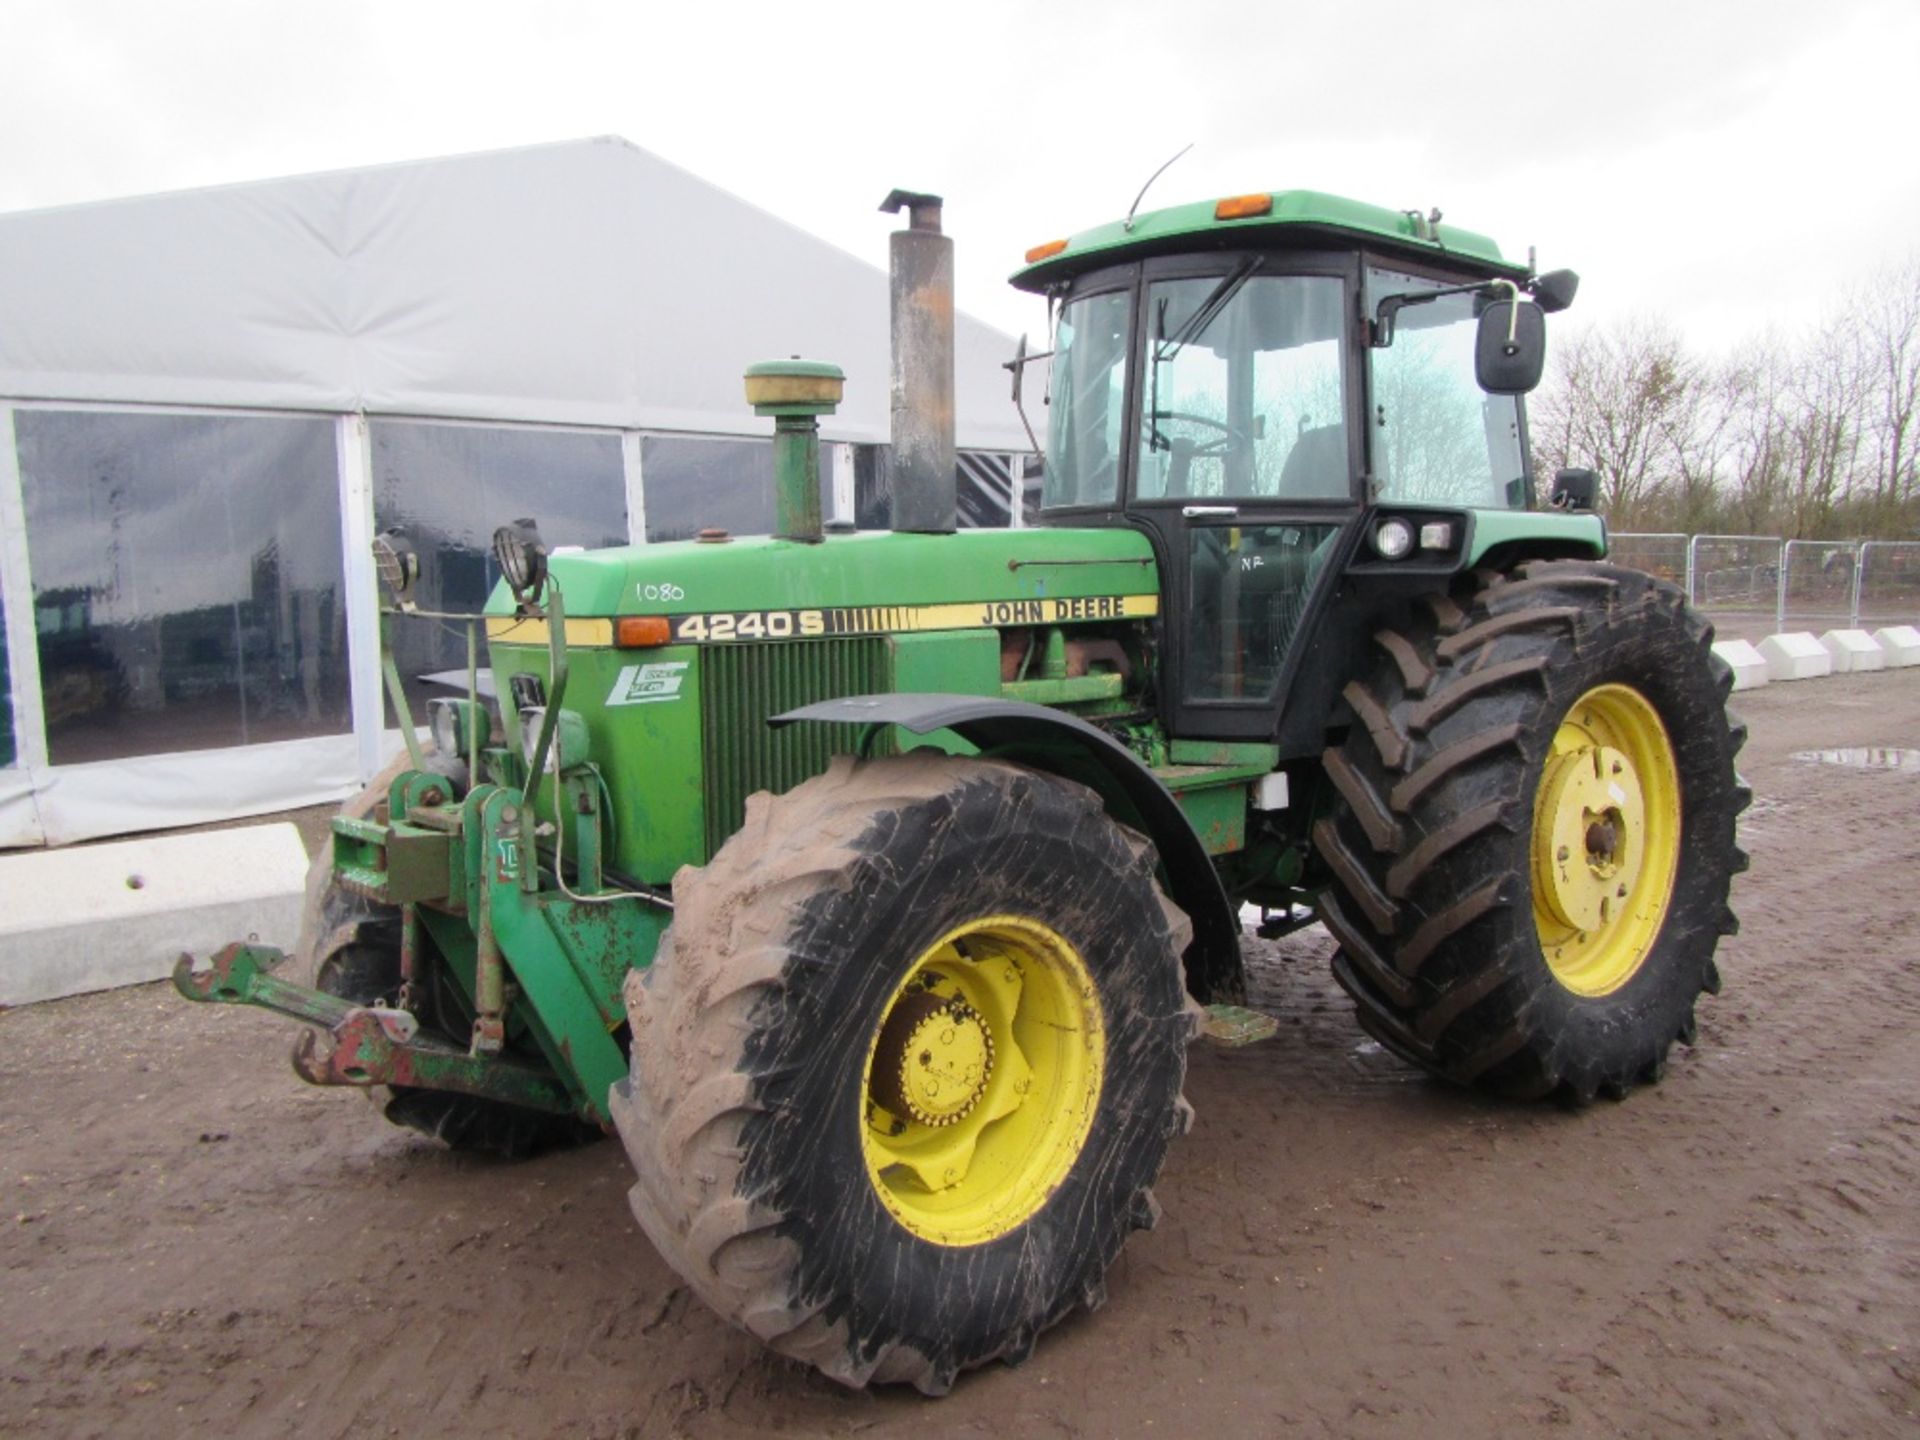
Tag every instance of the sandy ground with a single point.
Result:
(193, 1241)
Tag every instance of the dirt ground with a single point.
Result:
(193, 1241)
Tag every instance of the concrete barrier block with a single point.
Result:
(91, 917)
(1749, 666)
(1742, 657)
(1853, 651)
(1900, 644)
(1795, 656)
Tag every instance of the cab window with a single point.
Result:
(1243, 392)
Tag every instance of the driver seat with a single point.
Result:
(1316, 467)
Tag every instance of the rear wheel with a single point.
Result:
(906, 1065)
(1535, 834)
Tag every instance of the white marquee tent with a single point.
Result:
(210, 401)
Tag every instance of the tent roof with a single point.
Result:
(585, 283)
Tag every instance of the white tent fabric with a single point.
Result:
(586, 283)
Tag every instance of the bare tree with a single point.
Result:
(1623, 399)
(1887, 312)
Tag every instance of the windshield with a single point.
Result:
(1243, 393)
(1440, 439)
(1087, 402)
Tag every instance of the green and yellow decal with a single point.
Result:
(721, 626)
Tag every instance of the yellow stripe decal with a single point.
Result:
(724, 626)
(532, 630)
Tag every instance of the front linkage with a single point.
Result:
(369, 1044)
(508, 983)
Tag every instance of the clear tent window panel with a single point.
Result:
(9, 748)
(697, 483)
(450, 486)
(187, 580)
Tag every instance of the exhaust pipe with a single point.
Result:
(921, 274)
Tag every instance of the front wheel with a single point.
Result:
(906, 1065)
(1535, 831)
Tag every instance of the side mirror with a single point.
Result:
(1574, 490)
(1018, 365)
(1554, 291)
(1511, 350)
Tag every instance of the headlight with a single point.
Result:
(459, 727)
(397, 564)
(443, 719)
(1392, 538)
(522, 558)
(531, 719)
(572, 747)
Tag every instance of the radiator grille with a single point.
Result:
(741, 685)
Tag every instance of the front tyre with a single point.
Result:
(906, 1065)
(1534, 837)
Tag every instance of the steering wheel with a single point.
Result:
(1227, 438)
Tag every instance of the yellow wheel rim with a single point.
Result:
(1606, 840)
(982, 1079)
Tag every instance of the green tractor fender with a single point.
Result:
(1067, 746)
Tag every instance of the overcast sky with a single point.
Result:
(1729, 165)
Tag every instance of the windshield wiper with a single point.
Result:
(1216, 301)
(1167, 346)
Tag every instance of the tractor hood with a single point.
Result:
(864, 570)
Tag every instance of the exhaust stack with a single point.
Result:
(921, 272)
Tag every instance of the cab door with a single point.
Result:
(1246, 468)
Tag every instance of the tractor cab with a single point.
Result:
(1282, 390)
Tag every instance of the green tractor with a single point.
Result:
(872, 885)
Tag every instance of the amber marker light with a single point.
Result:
(641, 632)
(1045, 252)
(1243, 207)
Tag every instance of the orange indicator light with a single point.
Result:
(640, 632)
(1243, 207)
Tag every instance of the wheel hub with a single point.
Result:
(982, 1079)
(1592, 801)
(1606, 839)
(933, 1059)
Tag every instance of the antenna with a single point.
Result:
(1126, 225)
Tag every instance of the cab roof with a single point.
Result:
(1292, 216)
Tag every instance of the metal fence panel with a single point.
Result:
(1754, 585)
(1736, 580)
(1816, 584)
(1664, 555)
(1888, 592)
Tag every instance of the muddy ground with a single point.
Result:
(193, 1241)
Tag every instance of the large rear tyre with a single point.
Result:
(1534, 837)
(907, 1064)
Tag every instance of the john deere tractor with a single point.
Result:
(872, 885)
